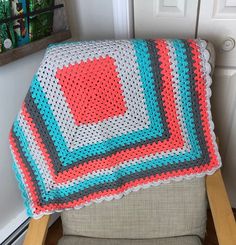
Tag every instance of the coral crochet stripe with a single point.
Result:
(104, 118)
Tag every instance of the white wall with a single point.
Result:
(14, 82)
(89, 19)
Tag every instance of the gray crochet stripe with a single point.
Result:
(196, 105)
(43, 165)
(153, 171)
(34, 149)
(49, 144)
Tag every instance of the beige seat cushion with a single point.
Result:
(73, 240)
(175, 209)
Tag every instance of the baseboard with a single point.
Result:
(17, 237)
(14, 232)
(12, 226)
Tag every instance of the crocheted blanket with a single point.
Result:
(104, 118)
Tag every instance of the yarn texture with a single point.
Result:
(104, 118)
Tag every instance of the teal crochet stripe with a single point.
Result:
(103, 118)
(155, 129)
(193, 154)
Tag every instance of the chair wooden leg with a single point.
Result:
(221, 209)
(37, 231)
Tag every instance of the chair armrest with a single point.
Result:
(37, 231)
(221, 209)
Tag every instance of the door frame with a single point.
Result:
(123, 19)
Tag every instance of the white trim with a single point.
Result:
(123, 19)
(20, 239)
(8, 229)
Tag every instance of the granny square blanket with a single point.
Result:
(104, 118)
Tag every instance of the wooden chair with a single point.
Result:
(218, 201)
(219, 204)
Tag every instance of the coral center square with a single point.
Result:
(92, 90)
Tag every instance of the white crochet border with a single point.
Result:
(206, 70)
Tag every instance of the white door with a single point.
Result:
(214, 20)
(165, 18)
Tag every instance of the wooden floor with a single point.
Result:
(55, 232)
(210, 238)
